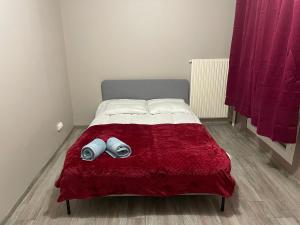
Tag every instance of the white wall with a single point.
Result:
(122, 39)
(34, 93)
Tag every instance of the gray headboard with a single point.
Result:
(145, 89)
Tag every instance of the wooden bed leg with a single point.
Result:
(68, 207)
(222, 204)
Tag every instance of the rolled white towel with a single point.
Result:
(93, 149)
(117, 149)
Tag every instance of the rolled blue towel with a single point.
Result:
(93, 149)
(117, 149)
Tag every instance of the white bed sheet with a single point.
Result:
(151, 119)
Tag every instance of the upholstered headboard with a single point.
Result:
(145, 89)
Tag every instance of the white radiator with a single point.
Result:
(208, 87)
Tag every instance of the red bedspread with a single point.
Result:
(167, 159)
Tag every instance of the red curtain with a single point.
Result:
(264, 72)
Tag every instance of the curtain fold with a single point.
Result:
(264, 73)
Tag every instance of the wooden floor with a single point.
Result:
(264, 195)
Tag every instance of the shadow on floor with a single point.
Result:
(138, 206)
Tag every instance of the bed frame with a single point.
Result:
(146, 89)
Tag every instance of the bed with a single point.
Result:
(172, 152)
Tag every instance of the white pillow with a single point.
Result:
(161, 100)
(168, 107)
(125, 106)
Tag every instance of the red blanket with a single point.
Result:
(167, 159)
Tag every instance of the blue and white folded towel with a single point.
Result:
(114, 147)
(93, 149)
(117, 149)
